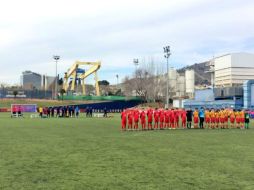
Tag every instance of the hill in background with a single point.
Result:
(201, 77)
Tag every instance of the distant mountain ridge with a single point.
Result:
(201, 76)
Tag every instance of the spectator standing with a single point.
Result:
(87, 111)
(91, 112)
(76, 112)
(105, 112)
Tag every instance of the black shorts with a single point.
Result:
(247, 120)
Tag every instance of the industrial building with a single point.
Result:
(232, 78)
(181, 85)
(232, 70)
(30, 80)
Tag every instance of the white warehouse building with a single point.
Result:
(234, 69)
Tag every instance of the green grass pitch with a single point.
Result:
(92, 153)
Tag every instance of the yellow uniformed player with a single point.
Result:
(232, 118)
(237, 119)
(242, 118)
(222, 118)
(212, 115)
(195, 118)
(217, 118)
(208, 118)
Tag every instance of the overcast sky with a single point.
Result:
(116, 31)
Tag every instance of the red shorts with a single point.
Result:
(217, 120)
(222, 120)
(238, 120)
(226, 119)
(242, 120)
(213, 119)
(183, 120)
(166, 121)
(232, 120)
(195, 120)
(207, 120)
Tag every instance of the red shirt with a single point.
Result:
(183, 115)
(167, 115)
(130, 117)
(123, 116)
(143, 116)
(150, 116)
(136, 116)
(162, 116)
(156, 116)
(172, 115)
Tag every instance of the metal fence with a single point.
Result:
(38, 94)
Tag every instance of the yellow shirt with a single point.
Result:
(207, 114)
(242, 115)
(222, 114)
(237, 114)
(232, 115)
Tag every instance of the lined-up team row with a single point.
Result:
(175, 118)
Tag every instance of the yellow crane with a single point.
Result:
(76, 73)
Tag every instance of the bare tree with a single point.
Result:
(149, 81)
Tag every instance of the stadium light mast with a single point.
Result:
(167, 54)
(136, 63)
(56, 58)
(117, 76)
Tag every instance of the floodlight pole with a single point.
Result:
(136, 63)
(117, 76)
(56, 58)
(167, 54)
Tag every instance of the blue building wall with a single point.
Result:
(217, 104)
(204, 95)
(206, 98)
(247, 93)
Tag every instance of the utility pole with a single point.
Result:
(167, 54)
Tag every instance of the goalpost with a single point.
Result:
(28, 108)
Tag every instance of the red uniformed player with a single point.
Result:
(177, 118)
(167, 117)
(136, 119)
(143, 120)
(162, 117)
(123, 117)
(150, 119)
(183, 118)
(172, 119)
(130, 119)
(156, 119)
